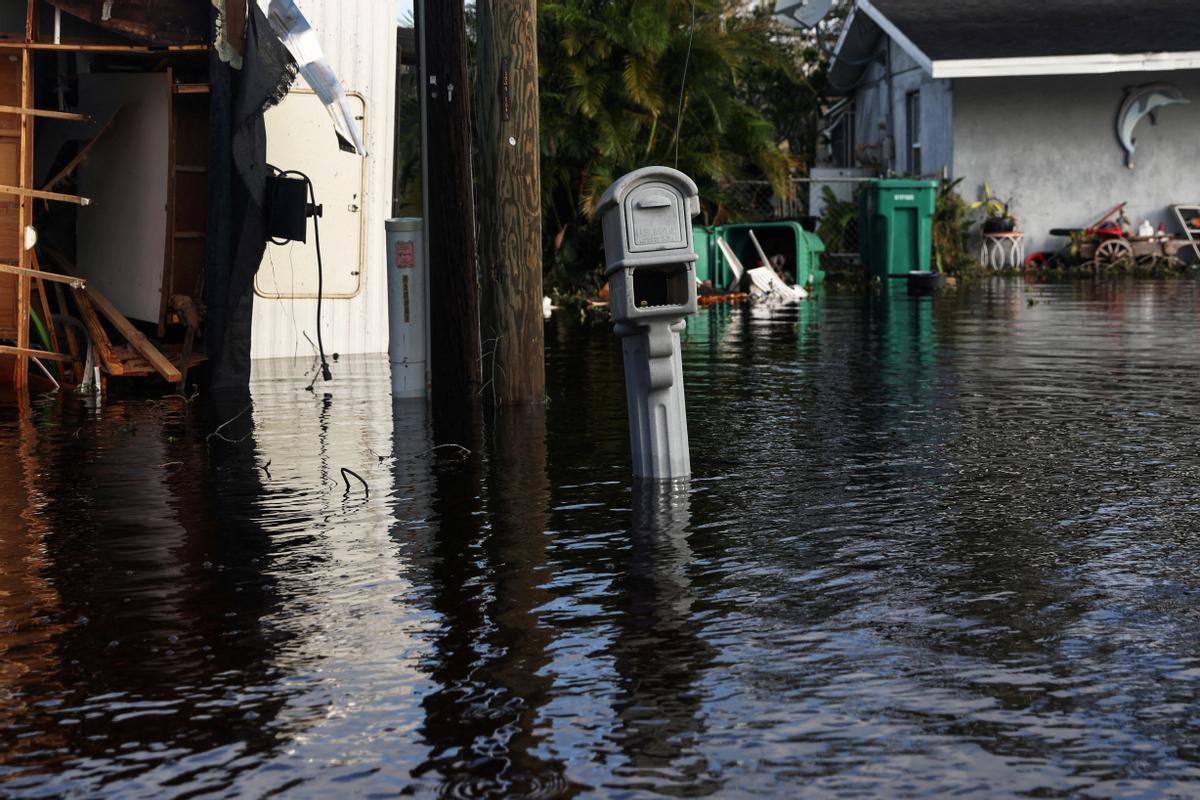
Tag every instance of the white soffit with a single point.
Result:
(1098, 63)
(1064, 65)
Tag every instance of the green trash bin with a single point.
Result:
(708, 259)
(801, 250)
(895, 227)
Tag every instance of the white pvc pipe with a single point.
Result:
(45, 371)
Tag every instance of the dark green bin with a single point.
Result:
(801, 250)
(895, 227)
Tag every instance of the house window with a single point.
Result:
(845, 138)
(912, 105)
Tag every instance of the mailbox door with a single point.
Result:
(656, 219)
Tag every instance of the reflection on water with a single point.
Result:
(932, 545)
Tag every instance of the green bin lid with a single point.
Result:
(905, 183)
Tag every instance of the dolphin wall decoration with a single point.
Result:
(1142, 101)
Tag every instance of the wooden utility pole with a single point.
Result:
(510, 227)
(449, 219)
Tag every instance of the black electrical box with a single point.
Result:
(287, 208)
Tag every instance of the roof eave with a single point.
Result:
(896, 35)
(855, 45)
(842, 74)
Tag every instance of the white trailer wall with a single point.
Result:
(359, 39)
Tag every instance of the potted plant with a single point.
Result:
(999, 218)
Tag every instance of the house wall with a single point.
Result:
(359, 39)
(1050, 144)
(872, 120)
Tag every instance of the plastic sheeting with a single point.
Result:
(301, 41)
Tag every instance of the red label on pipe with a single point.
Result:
(405, 258)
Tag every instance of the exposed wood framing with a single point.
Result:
(69, 280)
(187, 206)
(169, 245)
(72, 340)
(39, 112)
(88, 47)
(25, 209)
(82, 155)
(37, 194)
(44, 299)
(137, 340)
(20, 274)
(96, 333)
(27, 352)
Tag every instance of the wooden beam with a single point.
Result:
(137, 340)
(97, 335)
(38, 112)
(37, 194)
(92, 47)
(27, 352)
(82, 155)
(21, 376)
(190, 88)
(45, 301)
(509, 201)
(69, 280)
(72, 340)
(24, 210)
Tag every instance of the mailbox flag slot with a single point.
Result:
(654, 201)
(667, 286)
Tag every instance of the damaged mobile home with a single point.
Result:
(141, 144)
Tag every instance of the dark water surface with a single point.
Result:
(931, 547)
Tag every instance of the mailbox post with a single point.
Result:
(651, 271)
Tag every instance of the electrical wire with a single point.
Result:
(687, 60)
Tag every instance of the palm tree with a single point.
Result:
(610, 78)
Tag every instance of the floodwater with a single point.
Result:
(932, 546)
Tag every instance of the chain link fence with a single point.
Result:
(832, 214)
(756, 201)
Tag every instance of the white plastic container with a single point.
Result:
(408, 324)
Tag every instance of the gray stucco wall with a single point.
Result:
(871, 114)
(1050, 144)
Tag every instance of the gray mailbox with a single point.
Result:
(647, 218)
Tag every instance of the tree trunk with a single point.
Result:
(510, 230)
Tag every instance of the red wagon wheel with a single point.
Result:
(1113, 253)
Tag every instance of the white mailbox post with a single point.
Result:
(647, 218)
